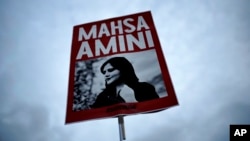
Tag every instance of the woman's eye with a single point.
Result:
(110, 70)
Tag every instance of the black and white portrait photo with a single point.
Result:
(121, 78)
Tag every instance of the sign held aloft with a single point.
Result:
(117, 68)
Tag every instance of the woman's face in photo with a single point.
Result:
(111, 74)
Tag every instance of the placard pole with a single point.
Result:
(121, 128)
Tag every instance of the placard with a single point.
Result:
(117, 67)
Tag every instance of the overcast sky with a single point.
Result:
(206, 45)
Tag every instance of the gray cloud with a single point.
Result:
(24, 122)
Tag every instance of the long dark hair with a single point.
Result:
(126, 69)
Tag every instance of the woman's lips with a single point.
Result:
(107, 79)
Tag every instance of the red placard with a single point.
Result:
(117, 68)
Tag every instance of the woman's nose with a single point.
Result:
(106, 74)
